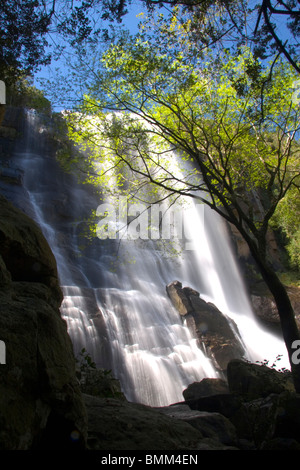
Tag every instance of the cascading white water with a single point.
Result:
(223, 285)
(123, 317)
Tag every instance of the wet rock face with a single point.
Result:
(266, 311)
(25, 251)
(216, 333)
(180, 297)
(40, 402)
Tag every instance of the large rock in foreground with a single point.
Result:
(260, 403)
(120, 425)
(217, 333)
(214, 416)
(41, 405)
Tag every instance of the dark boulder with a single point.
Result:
(207, 387)
(41, 405)
(217, 334)
(252, 381)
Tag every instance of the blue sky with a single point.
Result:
(130, 21)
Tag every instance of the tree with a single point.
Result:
(270, 27)
(179, 124)
(32, 33)
(23, 26)
(24, 94)
(290, 11)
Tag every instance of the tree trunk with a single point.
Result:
(286, 314)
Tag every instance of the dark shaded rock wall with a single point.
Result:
(40, 401)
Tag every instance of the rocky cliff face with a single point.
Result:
(217, 334)
(266, 311)
(40, 401)
(260, 297)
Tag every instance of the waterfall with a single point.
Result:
(217, 267)
(120, 312)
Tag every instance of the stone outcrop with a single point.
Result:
(266, 310)
(207, 386)
(261, 404)
(120, 425)
(41, 404)
(216, 333)
(215, 428)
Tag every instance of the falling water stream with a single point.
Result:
(120, 312)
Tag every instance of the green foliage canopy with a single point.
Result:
(180, 123)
